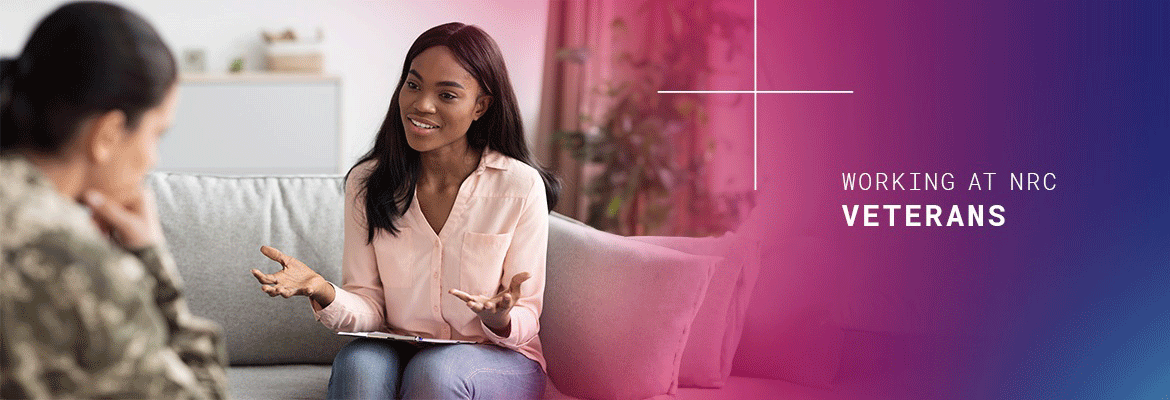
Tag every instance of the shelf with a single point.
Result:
(253, 123)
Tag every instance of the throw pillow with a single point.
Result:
(617, 312)
(716, 331)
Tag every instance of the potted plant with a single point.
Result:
(647, 154)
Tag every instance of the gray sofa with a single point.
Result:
(214, 226)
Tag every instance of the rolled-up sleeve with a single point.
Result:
(359, 304)
(527, 253)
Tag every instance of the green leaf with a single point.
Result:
(615, 205)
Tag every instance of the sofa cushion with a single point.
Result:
(623, 312)
(215, 226)
(717, 328)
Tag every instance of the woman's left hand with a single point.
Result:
(495, 311)
(133, 224)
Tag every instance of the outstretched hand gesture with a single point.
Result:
(294, 279)
(495, 311)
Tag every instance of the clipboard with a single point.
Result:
(416, 339)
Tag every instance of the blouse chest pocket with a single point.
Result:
(395, 258)
(482, 262)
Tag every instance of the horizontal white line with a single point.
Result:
(758, 91)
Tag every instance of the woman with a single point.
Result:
(446, 231)
(90, 299)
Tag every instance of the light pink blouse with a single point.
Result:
(497, 228)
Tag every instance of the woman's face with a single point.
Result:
(438, 101)
(134, 153)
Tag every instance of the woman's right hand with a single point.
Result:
(294, 279)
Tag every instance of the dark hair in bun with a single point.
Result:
(83, 59)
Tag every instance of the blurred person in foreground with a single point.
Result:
(91, 302)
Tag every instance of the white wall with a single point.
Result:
(365, 41)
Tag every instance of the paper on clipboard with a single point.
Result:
(384, 335)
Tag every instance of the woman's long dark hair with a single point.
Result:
(83, 59)
(389, 188)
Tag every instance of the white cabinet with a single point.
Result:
(255, 124)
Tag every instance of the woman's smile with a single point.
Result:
(421, 126)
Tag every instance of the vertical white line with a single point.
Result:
(755, 95)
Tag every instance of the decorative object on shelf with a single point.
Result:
(194, 61)
(286, 52)
(237, 65)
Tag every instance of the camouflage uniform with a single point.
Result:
(79, 317)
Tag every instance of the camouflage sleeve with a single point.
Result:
(80, 321)
(197, 341)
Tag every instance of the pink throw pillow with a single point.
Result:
(715, 333)
(617, 313)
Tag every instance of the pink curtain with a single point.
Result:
(578, 30)
(691, 176)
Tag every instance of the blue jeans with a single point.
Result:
(388, 369)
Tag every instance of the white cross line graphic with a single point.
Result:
(755, 92)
